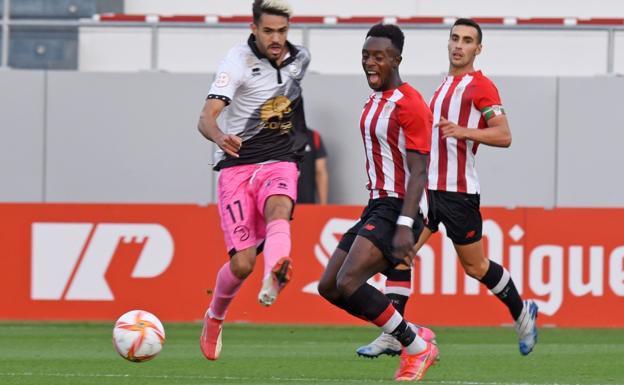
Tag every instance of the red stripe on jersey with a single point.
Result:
(443, 152)
(464, 116)
(367, 108)
(397, 158)
(377, 158)
(482, 124)
(384, 317)
(435, 97)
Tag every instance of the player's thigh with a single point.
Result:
(424, 236)
(278, 207)
(276, 189)
(473, 259)
(362, 262)
(237, 209)
(327, 284)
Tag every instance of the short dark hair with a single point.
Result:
(470, 23)
(390, 31)
(271, 7)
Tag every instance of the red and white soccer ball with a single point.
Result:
(138, 336)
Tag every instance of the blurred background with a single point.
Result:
(99, 99)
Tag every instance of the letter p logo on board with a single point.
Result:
(70, 260)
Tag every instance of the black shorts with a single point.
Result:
(459, 212)
(377, 224)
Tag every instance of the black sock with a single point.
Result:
(498, 280)
(404, 333)
(398, 287)
(376, 308)
(367, 302)
(344, 305)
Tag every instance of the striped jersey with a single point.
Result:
(469, 101)
(392, 123)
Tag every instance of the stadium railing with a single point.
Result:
(308, 23)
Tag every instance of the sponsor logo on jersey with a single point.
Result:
(275, 114)
(242, 232)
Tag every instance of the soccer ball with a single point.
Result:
(138, 336)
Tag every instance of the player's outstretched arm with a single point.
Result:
(496, 134)
(403, 241)
(209, 128)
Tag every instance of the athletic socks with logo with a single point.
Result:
(376, 308)
(499, 281)
(398, 288)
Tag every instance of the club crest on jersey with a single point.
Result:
(275, 113)
(295, 69)
(386, 111)
(222, 79)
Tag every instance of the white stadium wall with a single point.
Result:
(521, 50)
(337, 51)
(132, 138)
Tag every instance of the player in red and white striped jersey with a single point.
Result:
(396, 130)
(467, 111)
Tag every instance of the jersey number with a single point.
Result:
(240, 211)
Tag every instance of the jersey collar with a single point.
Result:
(292, 50)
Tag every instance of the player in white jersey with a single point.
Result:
(396, 130)
(467, 111)
(261, 136)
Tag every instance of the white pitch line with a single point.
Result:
(255, 379)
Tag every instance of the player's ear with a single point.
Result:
(479, 48)
(397, 60)
(254, 28)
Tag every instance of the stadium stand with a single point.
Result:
(48, 47)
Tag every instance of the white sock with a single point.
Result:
(417, 346)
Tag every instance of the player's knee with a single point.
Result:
(241, 268)
(327, 289)
(278, 207)
(476, 269)
(345, 285)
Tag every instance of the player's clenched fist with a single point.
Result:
(449, 129)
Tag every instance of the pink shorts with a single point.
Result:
(243, 191)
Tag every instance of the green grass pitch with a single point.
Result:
(82, 354)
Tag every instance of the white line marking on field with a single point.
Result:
(255, 379)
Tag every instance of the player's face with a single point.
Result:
(463, 46)
(271, 33)
(380, 60)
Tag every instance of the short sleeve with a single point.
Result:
(416, 120)
(229, 77)
(319, 147)
(487, 100)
